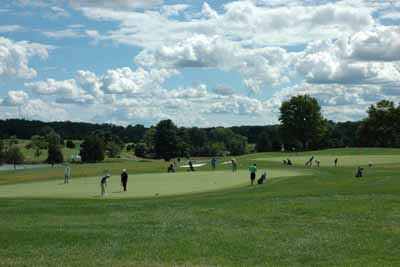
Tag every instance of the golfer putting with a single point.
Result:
(103, 184)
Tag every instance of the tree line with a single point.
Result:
(302, 127)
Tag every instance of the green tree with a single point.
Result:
(149, 139)
(140, 150)
(2, 152)
(381, 127)
(92, 149)
(54, 155)
(263, 143)
(165, 140)
(301, 119)
(237, 145)
(14, 156)
(113, 149)
(38, 143)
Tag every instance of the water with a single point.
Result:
(8, 167)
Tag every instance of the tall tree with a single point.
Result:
(54, 155)
(382, 126)
(14, 156)
(92, 149)
(165, 140)
(301, 119)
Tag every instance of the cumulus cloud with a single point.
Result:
(14, 57)
(380, 44)
(66, 91)
(15, 98)
(128, 81)
(258, 66)
(365, 57)
(38, 109)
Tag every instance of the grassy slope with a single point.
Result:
(329, 219)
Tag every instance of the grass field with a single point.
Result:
(325, 160)
(320, 217)
(140, 185)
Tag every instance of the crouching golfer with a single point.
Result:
(124, 179)
(67, 173)
(253, 171)
(103, 184)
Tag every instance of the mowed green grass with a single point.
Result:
(140, 185)
(355, 160)
(324, 217)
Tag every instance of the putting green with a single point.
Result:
(141, 185)
(355, 160)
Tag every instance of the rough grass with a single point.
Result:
(327, 219)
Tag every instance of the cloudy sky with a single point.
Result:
(198, 63)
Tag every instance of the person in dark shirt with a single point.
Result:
(191, 166)
(103, 184)
(124, 179)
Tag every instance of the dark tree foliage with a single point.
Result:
(166, 140)
(2, 152)
(55, 155)
(382, 126)
(302, 120)
(70, 144)
(92, 149)
(264, 143)
(140, 150)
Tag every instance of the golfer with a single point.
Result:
(67, 173)
(336, 160)
(191, 166)
(253, 171)
(103, 184)
(124, 179)
(214, 163)
(234, 165)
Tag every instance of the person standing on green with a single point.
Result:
(253, 171)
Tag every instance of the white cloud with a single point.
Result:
(61, 34)
(14, 57)
(38, 109)
(66, 91)
(258, 66)
(11, 28)
(362, 58)
(380, 44)
(128, 81)
(15, 98)
(173, 10)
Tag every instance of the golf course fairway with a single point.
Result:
(356, 160)
(140, 185)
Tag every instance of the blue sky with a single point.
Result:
(198, 63)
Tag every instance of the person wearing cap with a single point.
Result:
(103, 184)
(124, 179)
